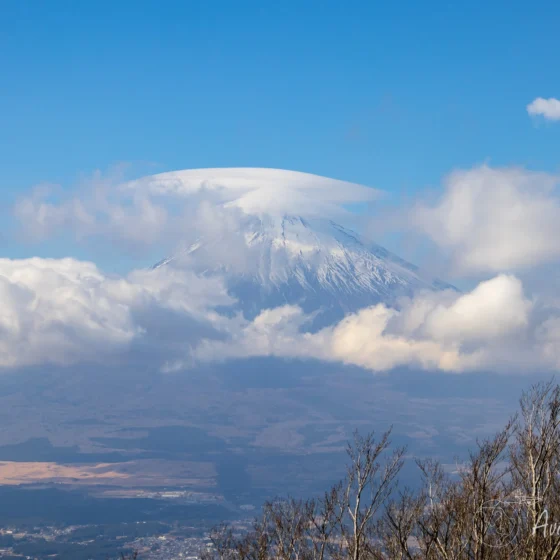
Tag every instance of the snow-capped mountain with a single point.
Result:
(316, 263)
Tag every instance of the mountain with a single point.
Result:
(316, 263)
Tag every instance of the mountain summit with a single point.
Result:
(315, 263)
(265, 232)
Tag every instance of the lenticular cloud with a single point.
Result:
(257, 190)
(155, 210)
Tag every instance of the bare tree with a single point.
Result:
(371, 477)
(224, 544)
(398, 528)
(483, 485)
(535, 461)
(326, 515)
(503, 503)
(289, 522)
(444, 520)
(257, 544)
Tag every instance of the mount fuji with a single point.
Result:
(268, 257)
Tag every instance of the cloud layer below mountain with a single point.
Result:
(66, 312)
(492, 328)
(492, 221)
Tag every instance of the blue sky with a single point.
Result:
(391, 95)
(388, 95)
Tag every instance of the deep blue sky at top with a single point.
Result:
(388, 94)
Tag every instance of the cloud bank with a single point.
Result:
(490, 220)
(492, 328)
(66, 311)
(487, 220)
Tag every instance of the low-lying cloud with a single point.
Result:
(67, 311)
(495, 327)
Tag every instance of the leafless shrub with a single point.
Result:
(502, 503)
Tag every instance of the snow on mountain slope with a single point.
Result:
(315, 263)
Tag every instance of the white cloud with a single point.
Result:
(494, 220)
(488, 220)
(493, 328)
(493, 309)
(99, 210)
(258, 190)
(42, 218)
(66, 311)
(548, 338)
(147, 211)
(547, 108)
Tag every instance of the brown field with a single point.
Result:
(133, 474)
